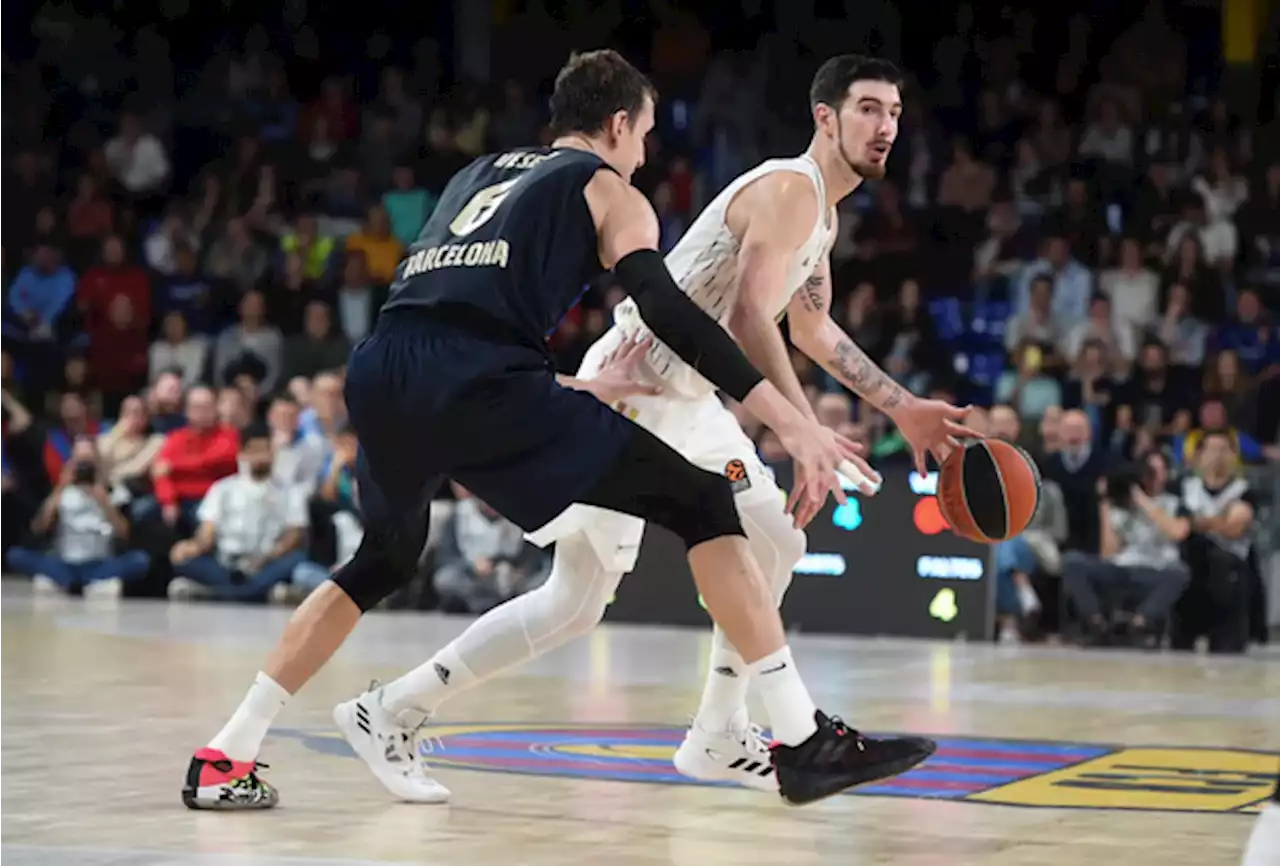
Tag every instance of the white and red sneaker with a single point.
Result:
(214, 781)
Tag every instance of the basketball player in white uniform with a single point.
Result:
(758, 251)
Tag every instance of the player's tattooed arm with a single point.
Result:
(815, 333)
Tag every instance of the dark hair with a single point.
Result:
(594, 86)
(254, 430)
(833, 79)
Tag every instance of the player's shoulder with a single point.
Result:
(783, 204)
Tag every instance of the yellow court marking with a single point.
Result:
(1194, 780)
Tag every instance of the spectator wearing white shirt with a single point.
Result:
(1109, 139)
(1133, 288)
(1035, 324)
(86, 528)
(1072, 282)
(1183, 333)
(251, 530)
(1222, 191)
(299, 458)
(1218, 240)
(137, 159)
(178, 350)
(1120, 344)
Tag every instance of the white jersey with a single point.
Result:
(705, 265)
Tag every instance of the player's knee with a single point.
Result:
(580, 613)
(579, 588)
(384, 562)
(703, 510)
(792, 546)
(775, 542)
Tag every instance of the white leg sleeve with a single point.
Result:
(569, 603)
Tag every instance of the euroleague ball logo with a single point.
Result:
(927, 514)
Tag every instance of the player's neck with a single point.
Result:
(838, 178)
(577, 142)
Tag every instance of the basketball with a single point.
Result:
(988, 490)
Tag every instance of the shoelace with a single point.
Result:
(755, 740)
(407, 743)
(854, 738)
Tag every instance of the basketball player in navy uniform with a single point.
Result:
(456, 382)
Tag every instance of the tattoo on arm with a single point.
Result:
(812, 293)
(862, 375)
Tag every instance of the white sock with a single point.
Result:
(241, 737)
(786, 699)
(724, 697)
(1264, 842)
(430, 684)
(1027, 598)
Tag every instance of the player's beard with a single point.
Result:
(864, 169)
(869, 170)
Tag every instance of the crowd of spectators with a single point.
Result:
(185, 273)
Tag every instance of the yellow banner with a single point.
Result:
(1241, 20)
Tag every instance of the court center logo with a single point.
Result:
(1006, 772)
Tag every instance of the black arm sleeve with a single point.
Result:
(684, 326)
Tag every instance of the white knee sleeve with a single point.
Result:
(776, 544)
(568, 604)
(573, 599)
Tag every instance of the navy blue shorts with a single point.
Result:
(429, 402)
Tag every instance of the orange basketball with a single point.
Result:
(988, 490)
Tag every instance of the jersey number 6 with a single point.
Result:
(481, 208)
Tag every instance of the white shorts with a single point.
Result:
(701, 429)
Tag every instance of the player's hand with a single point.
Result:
(932, 427)
(619, 374)
(816, 453)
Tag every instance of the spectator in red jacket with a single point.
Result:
(113, 278)
(115, 297)
(74, 415)
(192, 459)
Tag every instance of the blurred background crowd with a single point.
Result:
(1079, 235)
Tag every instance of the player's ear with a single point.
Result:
(823, 117)
(618, 124)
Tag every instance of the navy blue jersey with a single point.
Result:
(512, 237)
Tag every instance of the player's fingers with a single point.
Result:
(961, 430)
(959, 412)
(921, 466)
(793, 499)
(859, 471)
(848, 448)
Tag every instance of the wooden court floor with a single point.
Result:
(1048, 756)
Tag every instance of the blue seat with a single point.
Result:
(987, 323)
(947, 318)
(985, 367)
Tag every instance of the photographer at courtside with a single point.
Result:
(1139, 562)
(86, 529)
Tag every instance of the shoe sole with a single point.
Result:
(872, 774)
(193, 801)
(690, 768)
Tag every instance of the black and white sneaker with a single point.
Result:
(732, 755)
(837, 757)
(389, 745)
